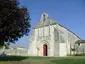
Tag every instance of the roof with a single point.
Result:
(45, 20)
(69, 31)
(80, 41)
(14, 46)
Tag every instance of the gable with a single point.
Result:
(45, 21)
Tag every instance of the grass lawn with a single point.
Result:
(42, 60)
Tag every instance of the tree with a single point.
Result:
(14, 21)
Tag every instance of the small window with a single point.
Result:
(44, 17)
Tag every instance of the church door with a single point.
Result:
(44, 50)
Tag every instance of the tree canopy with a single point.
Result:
(14, 21)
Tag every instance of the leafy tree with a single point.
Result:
(14, 21)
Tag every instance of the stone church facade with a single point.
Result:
(49, 38)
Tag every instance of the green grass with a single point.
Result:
(42, 60)
(70, 60)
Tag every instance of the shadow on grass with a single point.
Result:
(12, 58)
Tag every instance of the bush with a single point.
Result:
(82, 54)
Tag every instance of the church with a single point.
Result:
(49, 38)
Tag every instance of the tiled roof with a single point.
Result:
(14, 46)
(80, 41)
(45, 21)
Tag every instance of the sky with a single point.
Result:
(69, 13)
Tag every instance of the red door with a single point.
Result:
(44, 50)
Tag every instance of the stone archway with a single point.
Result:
(45, 50)
(41, 45)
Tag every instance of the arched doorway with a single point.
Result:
(45, 50)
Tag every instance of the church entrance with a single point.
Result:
(44, 50)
